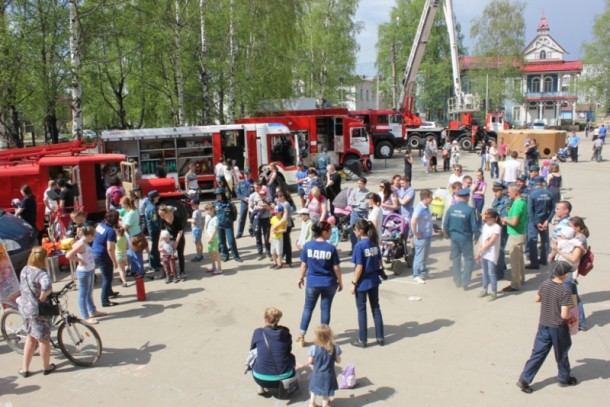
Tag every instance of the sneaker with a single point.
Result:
(97, 314)
(492, 297)
(182, 276)
(238, 259)
(359, 344)
(525, 388)
(197, 259)
(301, 341)
(273, 267)
(176, 279)
(572, 381)
(260, 257)
(168, 280)
(419, 280)
(216, 272)
(482, 294)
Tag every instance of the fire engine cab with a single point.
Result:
(251, 146)
(345, 138)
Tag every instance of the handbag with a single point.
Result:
(46, 308)
(287, 386)
(139, 243)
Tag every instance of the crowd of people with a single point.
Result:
(518, 222)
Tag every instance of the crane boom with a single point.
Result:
(415, 57)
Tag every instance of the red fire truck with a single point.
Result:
(252, 146)
(76, 162)
(345, 138)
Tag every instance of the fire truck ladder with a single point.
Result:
(15, 155)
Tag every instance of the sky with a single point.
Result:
(571, 24)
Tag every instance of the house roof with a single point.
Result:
(485, 62)
(548, 66)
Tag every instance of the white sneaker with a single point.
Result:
(419, 280)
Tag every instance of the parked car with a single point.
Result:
(18, 238)
(538, 125)
(430, 125)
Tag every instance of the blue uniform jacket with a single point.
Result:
(540, 206)
(461, 221)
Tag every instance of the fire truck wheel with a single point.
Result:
(384, 149)
(414, 142)
(465, 143)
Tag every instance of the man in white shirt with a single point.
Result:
(511, 169)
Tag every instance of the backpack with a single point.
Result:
(586, 262)
(349, 377)
(115, 196)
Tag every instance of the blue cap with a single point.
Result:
(522, 178)
(534, 168)
(498, 185)
(463, 192)
(153, 194)
(219, 191)
(538, 179)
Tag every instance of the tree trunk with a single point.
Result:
(77, 91)
(203, 71)
(231, 60)
(178, 69)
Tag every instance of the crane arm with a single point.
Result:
(405, 102)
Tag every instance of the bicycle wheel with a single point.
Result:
(13, 330)
(79, 342)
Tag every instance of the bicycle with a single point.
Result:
(77, 340)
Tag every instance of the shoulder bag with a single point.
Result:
(46, 308)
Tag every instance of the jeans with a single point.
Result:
(532, 244)
(85, 293)
(494, 172)
(569, 282)
(373, 296)
(262, 237)
(517, 266)
(462, 246)
(546, 337)
(311, 298)
(104, 263)
(489, 276)
(243, 214)
(574, 154)
(180, 253)
(287, 246)
(136, 262)
(479, 203)
(225, 235)
(597, 154)
(154, 258)
(420, 255)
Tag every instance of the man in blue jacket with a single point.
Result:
(460, 225)
(540, 212)
(153, 225)
(244, 189)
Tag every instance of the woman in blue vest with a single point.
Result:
(365, 284)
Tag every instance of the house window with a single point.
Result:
(548, 84)
(543, 54)
(516, 114)
(536, 85)
(367, 95)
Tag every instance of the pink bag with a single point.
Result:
(573, 320)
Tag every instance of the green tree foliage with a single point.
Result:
(140, 58)
(325, 53)
(597, 54)
(393, 48)
(499, 40)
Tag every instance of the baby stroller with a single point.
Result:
(394, 232)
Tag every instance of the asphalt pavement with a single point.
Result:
(187, 343)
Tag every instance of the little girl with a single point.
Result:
(168, 257)
(82, 255)
(211, 227)
(120, 249)
(488, 253)
(322, 357)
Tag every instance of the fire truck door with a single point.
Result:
(359, 140)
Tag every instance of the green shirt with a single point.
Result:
(518, 209)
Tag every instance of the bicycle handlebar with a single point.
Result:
(63, 291)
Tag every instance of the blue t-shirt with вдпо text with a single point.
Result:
(366, 254)
(320, 257)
